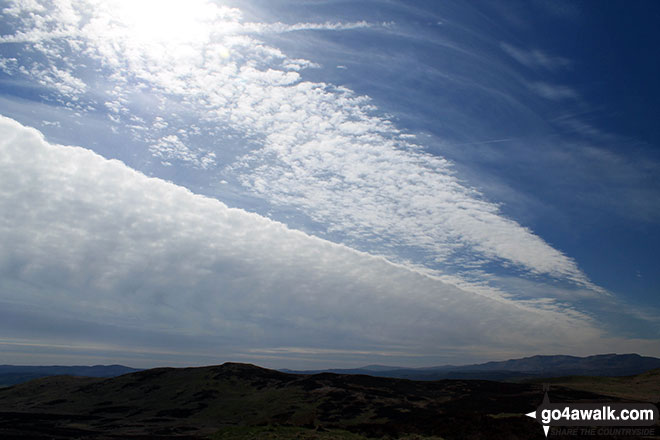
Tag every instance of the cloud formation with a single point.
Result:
(313, 147)
(172, 148)
(98, 255)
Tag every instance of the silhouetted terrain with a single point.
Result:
(514, 369)
(238, 401)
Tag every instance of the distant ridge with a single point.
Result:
(380, 368)
(509, 370)
(515, 369)
(15, 374)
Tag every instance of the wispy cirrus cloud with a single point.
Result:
(535, 58)
(553, 92)
(263, 28)
(561, 9)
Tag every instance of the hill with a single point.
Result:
(239, 401)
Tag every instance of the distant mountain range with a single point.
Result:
(15, 374)
(514, 369)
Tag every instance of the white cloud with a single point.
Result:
(94, 251)
(51, 123)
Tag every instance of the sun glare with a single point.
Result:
(167, 21)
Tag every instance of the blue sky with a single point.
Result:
(327, 183)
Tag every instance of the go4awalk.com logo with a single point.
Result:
(593, 415)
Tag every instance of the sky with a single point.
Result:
(327, 183)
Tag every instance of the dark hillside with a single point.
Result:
(234, 400)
